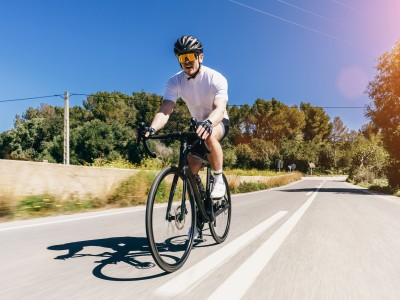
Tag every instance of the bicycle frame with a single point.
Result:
(207, 215)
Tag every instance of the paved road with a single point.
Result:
(319, 238)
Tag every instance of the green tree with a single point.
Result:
(384, 112)
(317, 124)
(112, 108)
(146, 105)
(244, 155)
(97, 139)
(339, 131)
(368, 159)
(263, 153)
(239, 131)
(179, 119)
(34, 134)
(258, 154)
(299, 152)
(338, 137)
(327, 155)
(290, 151)
(273, 120)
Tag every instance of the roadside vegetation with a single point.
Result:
(131, 192)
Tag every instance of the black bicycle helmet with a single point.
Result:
(187, 44)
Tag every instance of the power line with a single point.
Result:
(302, 26)
(112, 96)
(314, 14)
(344, 107)
(230, 105)
(349, 7)
(358, 11)
(78, 94)
(30, 98)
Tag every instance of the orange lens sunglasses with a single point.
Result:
(189, 56)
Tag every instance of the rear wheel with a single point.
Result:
(222, 208)
(168, 222)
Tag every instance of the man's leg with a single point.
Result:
(194, 164)
(216, 158)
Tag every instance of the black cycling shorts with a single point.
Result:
(225, 124)
(200, 149)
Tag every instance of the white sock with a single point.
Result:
(218, 176)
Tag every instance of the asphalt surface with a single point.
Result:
(319, 238)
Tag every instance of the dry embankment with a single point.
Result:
(37, 188)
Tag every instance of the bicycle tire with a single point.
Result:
(168, 235)
(222, 208)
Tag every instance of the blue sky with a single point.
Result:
(323, 52)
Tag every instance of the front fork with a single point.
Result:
(208, 201)
(168, 215)
(182, 166)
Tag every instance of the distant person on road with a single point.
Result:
(205, 92)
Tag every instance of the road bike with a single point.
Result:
(179, 205)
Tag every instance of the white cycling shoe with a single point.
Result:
(219, 190)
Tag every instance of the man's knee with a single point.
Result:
(195, 164)
(212, 142)
(216, 134)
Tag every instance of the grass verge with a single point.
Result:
(131, 192)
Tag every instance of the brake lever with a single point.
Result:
(143, 138)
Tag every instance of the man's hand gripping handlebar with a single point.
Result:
(142, 132)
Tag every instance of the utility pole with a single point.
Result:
(66, 128)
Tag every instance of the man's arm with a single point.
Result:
(217, 113)
(162, 116)
(215, 116)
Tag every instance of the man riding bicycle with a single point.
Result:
(205, 92)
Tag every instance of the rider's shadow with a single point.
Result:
(126, 249)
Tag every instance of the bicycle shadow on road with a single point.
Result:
(133, 251)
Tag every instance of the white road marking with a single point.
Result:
(70, 220)
(240, 281)
(191, 277)
(309, 193)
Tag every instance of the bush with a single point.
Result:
(133, 191)
(35, 205)
(77, 205)
(6, 210)
(393, 174)
(246, 187)
(152, 164)
(363, 175)
(229, 158)
(119, 163)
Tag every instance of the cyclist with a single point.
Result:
(205, 92)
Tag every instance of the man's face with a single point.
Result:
(191, 67)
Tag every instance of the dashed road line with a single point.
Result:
(187, 280)
(240, 281)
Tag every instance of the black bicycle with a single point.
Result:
(179, 205)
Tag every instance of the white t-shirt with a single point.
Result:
(199, 92)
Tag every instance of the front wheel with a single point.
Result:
(169, 220)
(222, 208)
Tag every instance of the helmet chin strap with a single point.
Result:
(195, 74)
